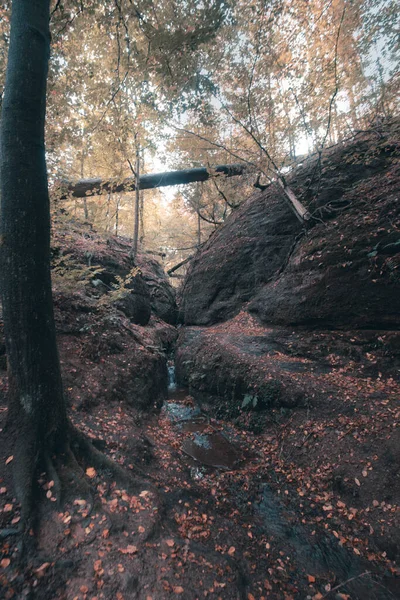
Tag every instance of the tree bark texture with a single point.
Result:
(37, 411)
(92, 187)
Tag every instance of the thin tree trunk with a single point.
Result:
(117, 218)
(85, 206)
(198, 230)
(141, 210)
(37, 411)
(137, 205)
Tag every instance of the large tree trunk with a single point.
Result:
(42, 436)
(91, 187)
(37, 410)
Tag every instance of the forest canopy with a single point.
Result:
(193, 84)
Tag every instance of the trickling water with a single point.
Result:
(171, 378)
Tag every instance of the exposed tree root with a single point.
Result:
(64, 468)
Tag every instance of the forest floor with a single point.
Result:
(297, 511)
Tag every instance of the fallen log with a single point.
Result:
(179, 265)
(92, 187)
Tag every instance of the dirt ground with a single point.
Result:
(306, 508)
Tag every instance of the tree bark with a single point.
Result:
(37, 409)
(91, 187)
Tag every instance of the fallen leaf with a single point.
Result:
(128, 550)
(170, 543)
(178, 589)
(9, 459)
(40, 571)
(311, 578)
(231, 550)
(4, 563)
(141, 529)
(267, 585)
(357, 481)
(97, 566)
(91, 472)
(8, 508)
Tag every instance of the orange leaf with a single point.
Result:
(97, 565)
(5, 563)
(170, 543)
(178, 589)
(311, 578)
(128, 550)
(231, 550)
(91, 472)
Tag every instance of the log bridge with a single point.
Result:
(83, 188)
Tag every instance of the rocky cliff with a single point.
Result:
(341, 271)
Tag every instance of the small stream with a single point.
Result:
(319, 555)
(206, 445)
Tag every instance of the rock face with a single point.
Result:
(342, 272)
(238, 260)
(135, 301)
(162, 294)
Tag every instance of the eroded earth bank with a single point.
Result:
(269, 468)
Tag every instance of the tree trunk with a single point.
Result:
(137, 207)
(40, 433)
(92, 187)
(37, 411)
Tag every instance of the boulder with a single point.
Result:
(342, 271)
(134, 302)
(162, 294)
(238, 260)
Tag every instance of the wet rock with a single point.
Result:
(218, 366)
(212, 450)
